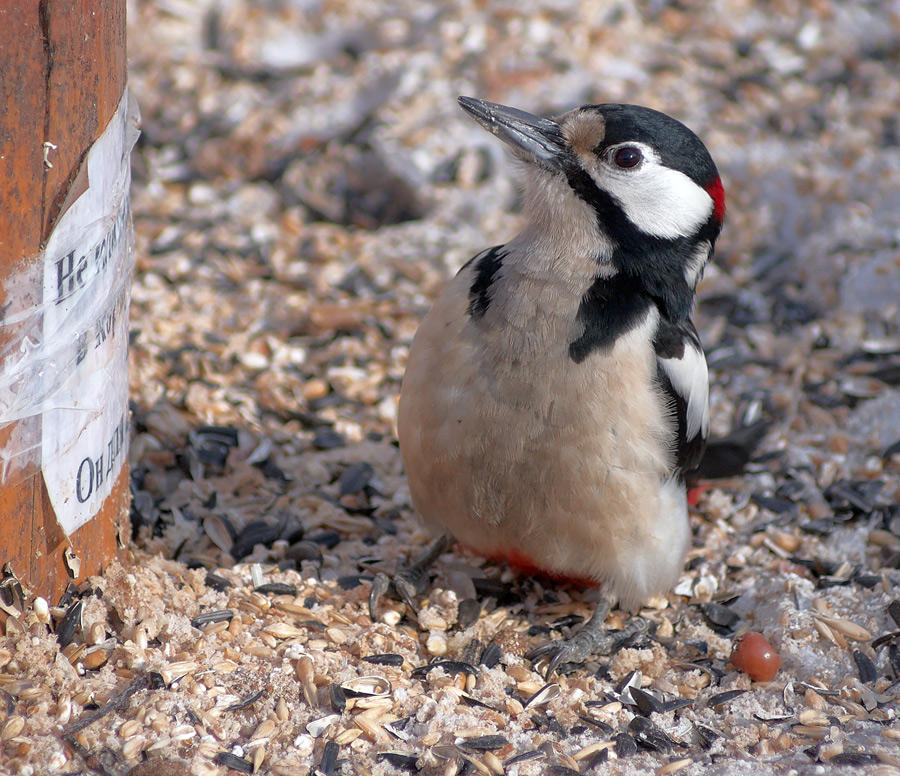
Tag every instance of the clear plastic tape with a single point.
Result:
(64, 337)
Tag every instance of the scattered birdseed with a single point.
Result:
(298, 206)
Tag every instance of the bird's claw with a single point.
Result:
(588, 641)
(380, 585)
(408, 582)
(574, 650)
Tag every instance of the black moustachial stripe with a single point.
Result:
(610, 308)
(658, 264)
(487, 265)
(669, 343)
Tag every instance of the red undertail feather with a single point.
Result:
(527, 566)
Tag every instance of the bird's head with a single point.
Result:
(640, 181)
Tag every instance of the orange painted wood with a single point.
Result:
(62, 74)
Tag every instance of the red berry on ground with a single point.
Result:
(753, 655)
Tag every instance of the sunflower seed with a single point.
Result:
(622, 692)
(355, 477)
(647, 702)
(854, 758)
(276, 588)
(451, 667)
(706, 735)
(218, 615)
(543, 696)
(386, 659)
(482, 743)
(338, 698)
(677, 703)
(720, 618)
(233, 762)
(70, 624)
(328, 764)
(320, 725)
(602, 726)
(649, 735)
(894, 611)
(867, 671)
(534, 754)
(405, 762)
(626, 746)
(490, 655)
(720, 699)
(367, 687)
(216, 582)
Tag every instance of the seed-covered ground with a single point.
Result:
(304, 184)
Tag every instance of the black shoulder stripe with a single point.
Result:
(610, 308)
(487, 265)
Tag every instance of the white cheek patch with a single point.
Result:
(689, 377)
(658, 200)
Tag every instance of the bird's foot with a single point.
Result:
(409, 581)
(593, 638)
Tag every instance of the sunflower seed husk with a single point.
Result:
(320, 725)
(543, 696)
(205, 618)
(367, 687)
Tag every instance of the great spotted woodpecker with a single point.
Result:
(557, 392)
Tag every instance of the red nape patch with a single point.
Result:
(527, 566)
(717, 191)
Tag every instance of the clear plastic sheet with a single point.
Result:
(64, 337)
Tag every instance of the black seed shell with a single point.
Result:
(386, 659)
(483, 743)
(233, 762)
(868, 673)
(626, 746)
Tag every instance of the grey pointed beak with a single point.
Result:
(540, 137)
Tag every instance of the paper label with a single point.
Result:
(88, 262)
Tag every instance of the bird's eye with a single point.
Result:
(628, 157)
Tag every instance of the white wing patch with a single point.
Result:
(689, 377)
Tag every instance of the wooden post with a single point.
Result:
(62, 76)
